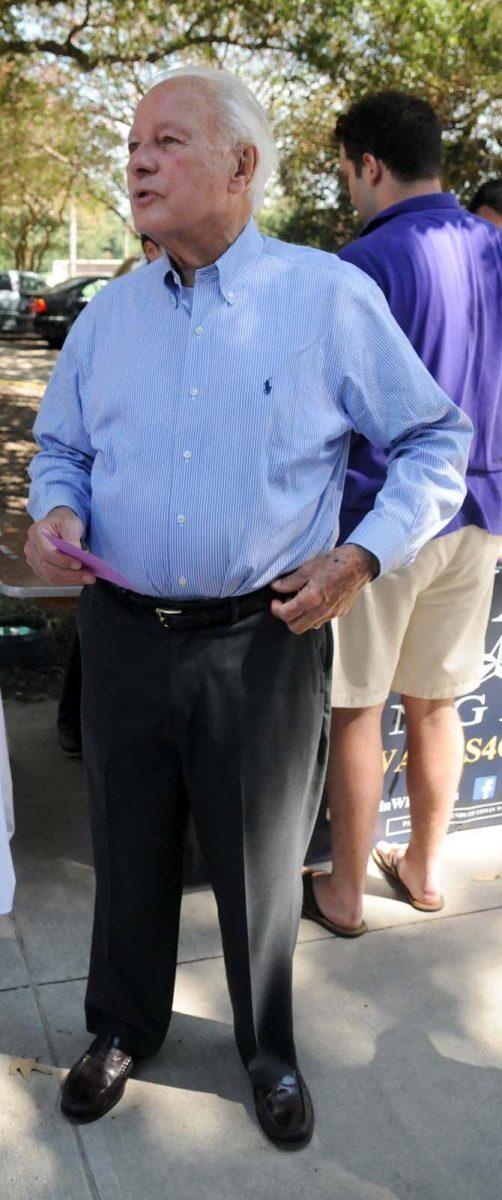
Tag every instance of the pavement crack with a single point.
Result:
(53, 1057)
(431, 918)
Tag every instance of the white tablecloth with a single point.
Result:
(7, 877)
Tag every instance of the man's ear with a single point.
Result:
(247, 162)
(373, 169)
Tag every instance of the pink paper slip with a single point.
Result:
(98, 566)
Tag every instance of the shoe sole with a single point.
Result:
(77, 1118)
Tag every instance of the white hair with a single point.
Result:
(242, 118)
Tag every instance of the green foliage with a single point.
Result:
(103, 32)
(79, 68)
(327, 226)
(100, 232)
(448, 51)
(52, 147)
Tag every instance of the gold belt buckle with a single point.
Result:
(164, 613)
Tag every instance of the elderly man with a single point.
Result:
(195, 431)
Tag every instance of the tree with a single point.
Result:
(94, 33)
(445, 50)
(51, 147)
(308, 60)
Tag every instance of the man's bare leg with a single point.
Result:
(434, 768)
(354, 787)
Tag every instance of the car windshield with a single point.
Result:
(92, 288)
(77, 281)
(5, 283)
(32, 284)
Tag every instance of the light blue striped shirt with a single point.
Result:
(205, 450)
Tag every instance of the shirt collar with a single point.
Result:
(230, 270)
(437, 200)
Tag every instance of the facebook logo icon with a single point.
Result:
(484, 787)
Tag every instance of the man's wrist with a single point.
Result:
(370, 559)
(63, 508)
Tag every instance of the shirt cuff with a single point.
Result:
(39, 506)
(385, 541)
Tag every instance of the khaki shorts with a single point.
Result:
(419, 630)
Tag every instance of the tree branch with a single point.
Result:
(81, 25)
(87, 61)
(78, 169)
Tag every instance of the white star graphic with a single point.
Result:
(493, 662)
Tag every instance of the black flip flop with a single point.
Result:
(312, 912)
(392, 874)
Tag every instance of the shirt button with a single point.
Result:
(230, 297)
(187, 454)
(181, 519)
(199, 330)
(182, 581)
(173, 299)
(193, 391)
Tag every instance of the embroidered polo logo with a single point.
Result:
(267, 387)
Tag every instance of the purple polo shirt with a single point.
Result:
(440, 269)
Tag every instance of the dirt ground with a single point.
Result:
(25, 366)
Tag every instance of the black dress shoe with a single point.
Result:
(97, 1081)
(285, 1111)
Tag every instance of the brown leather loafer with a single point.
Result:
(285, 1111)
(97, 1081)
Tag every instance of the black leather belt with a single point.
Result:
(197, 614)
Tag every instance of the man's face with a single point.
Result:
(360, 191)
(178, 173)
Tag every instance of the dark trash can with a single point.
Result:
(25, 641)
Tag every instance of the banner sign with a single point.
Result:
(479, 800)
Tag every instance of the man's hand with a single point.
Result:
(326, 587)
(45, 560)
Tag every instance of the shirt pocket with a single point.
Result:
(293, 394)
(297, 375)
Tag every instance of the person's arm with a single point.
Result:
(390, 397)
(60, 493)
(61, 473)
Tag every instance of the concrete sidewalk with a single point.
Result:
(398, 1033)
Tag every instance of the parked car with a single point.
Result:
(55, 311)
(17, 289)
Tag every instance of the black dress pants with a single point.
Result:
(232, 722)
(70, 699)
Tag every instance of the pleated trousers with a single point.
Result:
(231, 723)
